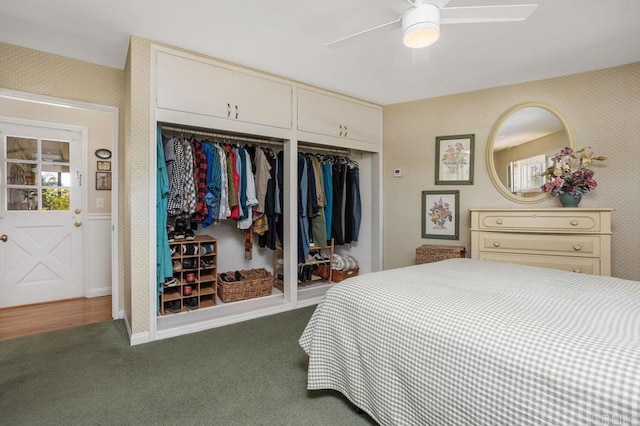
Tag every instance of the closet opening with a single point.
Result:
(220, 216)
(251, 225)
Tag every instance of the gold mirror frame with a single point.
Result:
(490, 158)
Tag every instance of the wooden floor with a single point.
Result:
(22, 320)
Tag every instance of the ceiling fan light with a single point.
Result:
(421, 26)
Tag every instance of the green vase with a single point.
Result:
(570, 200)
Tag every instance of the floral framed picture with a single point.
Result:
(440, 214)
(454, 159)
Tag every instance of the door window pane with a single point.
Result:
(55, 152)
(56, 199)
(22, 199)
(22, 173)
(55, 175)
(22, 148)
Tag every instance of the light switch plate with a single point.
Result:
(397, 173)
(100, 203)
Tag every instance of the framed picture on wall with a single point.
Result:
(104, 166)
(103, 181)
(454, 160)
(440, 214)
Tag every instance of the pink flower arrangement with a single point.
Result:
(568, 172)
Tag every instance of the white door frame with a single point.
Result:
(116, 311)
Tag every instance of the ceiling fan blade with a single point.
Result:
(399, 6)
(474, 14)
(340, 41)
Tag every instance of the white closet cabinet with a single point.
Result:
(194, 86)
(336, 117)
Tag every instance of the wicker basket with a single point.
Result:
(430, 253)
(337, 276)
(256, 283)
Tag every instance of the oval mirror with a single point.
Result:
(519, 147)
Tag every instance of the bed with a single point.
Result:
(471, 342)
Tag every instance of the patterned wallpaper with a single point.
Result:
(33, 71)
(138, 152)
(602, 109)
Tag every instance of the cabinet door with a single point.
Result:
(261, 101)
(363, 122)
(193, 86)
(319, 113)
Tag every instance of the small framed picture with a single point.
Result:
(440, 214)
(103, 181)
(454, 160)
(104, 166)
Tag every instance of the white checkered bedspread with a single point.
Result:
(468, 342)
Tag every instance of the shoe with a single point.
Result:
(190, 277)
(190, 249)
(226, 278)
(187, 290)
(191, 303)
(171, 236)
(206, 249)
(170, 282)
(178, 236)
(206, 263)
(181, 224)
(238, 276)
(174, 250)
(172, 306)
(189, 235)
(189, 263)
(177, 266)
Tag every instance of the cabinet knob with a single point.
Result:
(345, 131)
(577, 270)
(574, 222)
(341, 130)
(496, 243)
(237, 112)
(499, 221)
(228, 110)
(577, 247)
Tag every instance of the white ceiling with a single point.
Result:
(288, 37)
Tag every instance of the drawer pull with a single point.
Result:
(574, 222)
(496, 243)
(577, 247)
(499, 221)
(577, 270)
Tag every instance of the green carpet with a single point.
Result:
(250, 373)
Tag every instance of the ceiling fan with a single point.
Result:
(421, 19)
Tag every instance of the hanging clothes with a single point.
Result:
(303, 223)
(327, 178)
(164, 268)
(200, 173)
(177, 179)
(189, 185)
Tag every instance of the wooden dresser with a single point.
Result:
(571, 239)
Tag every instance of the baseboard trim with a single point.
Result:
(138, 338)
(98, 292)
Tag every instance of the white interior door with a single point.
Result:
(41, 253)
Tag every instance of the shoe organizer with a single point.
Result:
(194, 281)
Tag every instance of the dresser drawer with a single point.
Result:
(540, 221)
(564, 245)
(566, 263)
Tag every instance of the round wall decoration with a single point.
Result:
(103, 153)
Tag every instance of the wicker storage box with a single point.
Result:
(337, 276)
(431, 253)
(256, 283)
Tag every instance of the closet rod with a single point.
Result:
(222, 136)
(301, 147)
(313, 149)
